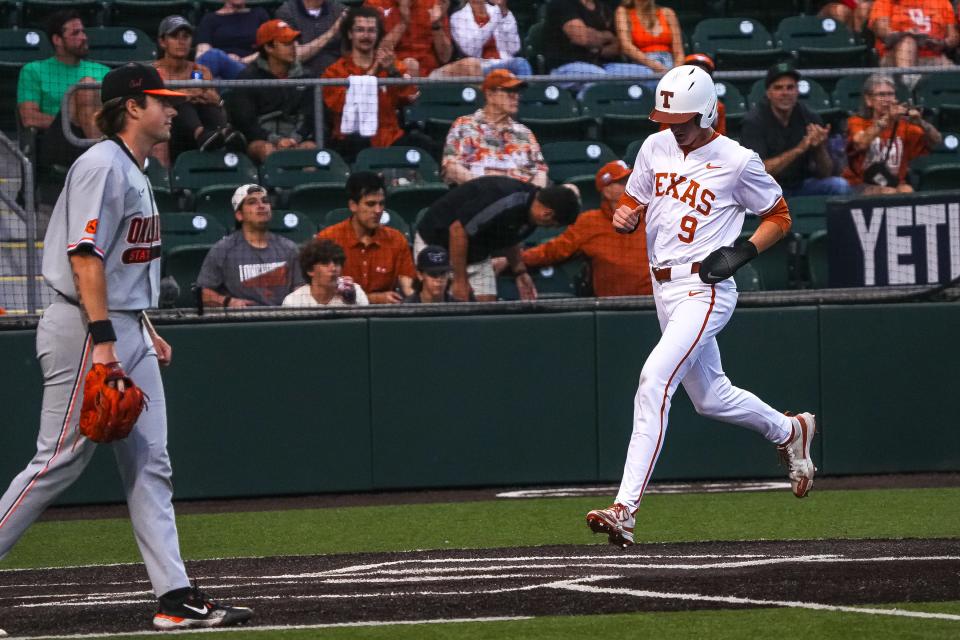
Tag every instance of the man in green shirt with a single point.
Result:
(43, 83)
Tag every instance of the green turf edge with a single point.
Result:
(887, 513)
(756, 624)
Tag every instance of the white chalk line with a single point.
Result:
(664, 488)
(292, 627)
(577, 585)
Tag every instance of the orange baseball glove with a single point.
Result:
(111, 403)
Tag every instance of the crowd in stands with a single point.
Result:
(501, 191)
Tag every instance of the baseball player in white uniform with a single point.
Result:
(691, 187)
(101, 257)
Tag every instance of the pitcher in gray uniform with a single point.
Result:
(102, 257)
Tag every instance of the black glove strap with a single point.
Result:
(102, 331)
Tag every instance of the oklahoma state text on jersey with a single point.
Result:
(696, 202)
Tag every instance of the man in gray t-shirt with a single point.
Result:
(251, 266)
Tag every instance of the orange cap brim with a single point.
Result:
(169, 93)
(670, 118)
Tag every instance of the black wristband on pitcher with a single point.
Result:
(102, 331)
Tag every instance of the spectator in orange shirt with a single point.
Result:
(420, 30)
(914, 33)
(649, 35)
(705, 62)
(618, 262)
(361, 33)
(378, 258)
(884, 138)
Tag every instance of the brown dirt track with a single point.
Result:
(499, 582)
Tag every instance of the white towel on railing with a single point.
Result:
(360, 113)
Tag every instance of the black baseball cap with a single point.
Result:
(433, 259)
(173, 23)
(134, 79)
(781, 69)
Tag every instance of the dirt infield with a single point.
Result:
(562, 580)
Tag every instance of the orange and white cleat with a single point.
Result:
(795, 453)
(616, 521)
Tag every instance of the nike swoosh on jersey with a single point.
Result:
(714, 166)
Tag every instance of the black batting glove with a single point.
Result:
(724, 262)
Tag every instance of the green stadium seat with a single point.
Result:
(388, 218)
(736, 43)
(735, 105)
(819, 42)
(159, 177)
(777, 266)
(292, 225)
(533, 48)
(690, 12)
(587, 183)
(17, 47)
(115, 46)
(848, 93)
(407, 201)
(935, 170)
(439, 105)
(622, 110)
(764, 11)
(809, 214)
(812, 94)
(289, 168)
(183, 264)
(552, 114)
(315, 200)
(147, 14)
(747, 279)
(399, 165)
(205, 173)
(214, 200)
(818, 260)
(34, 13)
(555, 281)
(941, 93)
(568, 159)
(630, 155)
(188, 227)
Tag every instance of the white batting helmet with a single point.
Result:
(684, 92)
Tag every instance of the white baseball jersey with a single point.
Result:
(696, 202)
(107, 205)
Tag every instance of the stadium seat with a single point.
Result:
(406, 201)
(568, 159)
(690, 12)
(555, 281)
(552, 114)
(17, 47)
(767, 12)
(940, 169)
(292, 225)
(736, 43)
(199, 173)
(630, 155)
(399, 165)
(587, 184)
(439, 105)
(533, 48)
(315, 200)
(735, 104)
(809, 214)
(941, 93)
(622, 110)
(388, 218)
(820, 42)
(183, 264)
(159, 178)
(848, 93)
(292, 167)
(747, 279)
(147, 14)
(34, 13)
(188, 227)
(818, 260)
(812, 94)
(777, 266)
(115, 46)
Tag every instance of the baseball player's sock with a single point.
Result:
(616, 521)
(795, 454)
(189, 608)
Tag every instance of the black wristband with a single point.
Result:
(226, 301)
(102, 331)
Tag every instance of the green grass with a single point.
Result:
(895, 513)
(755, 624)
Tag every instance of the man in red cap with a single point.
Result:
(292, 125)
(618, 262)
(490, 142)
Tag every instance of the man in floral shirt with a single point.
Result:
(490, 142)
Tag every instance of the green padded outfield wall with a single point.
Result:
(293, 407)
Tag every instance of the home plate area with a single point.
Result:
(840, 575)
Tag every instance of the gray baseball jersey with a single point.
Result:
(107, 205)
